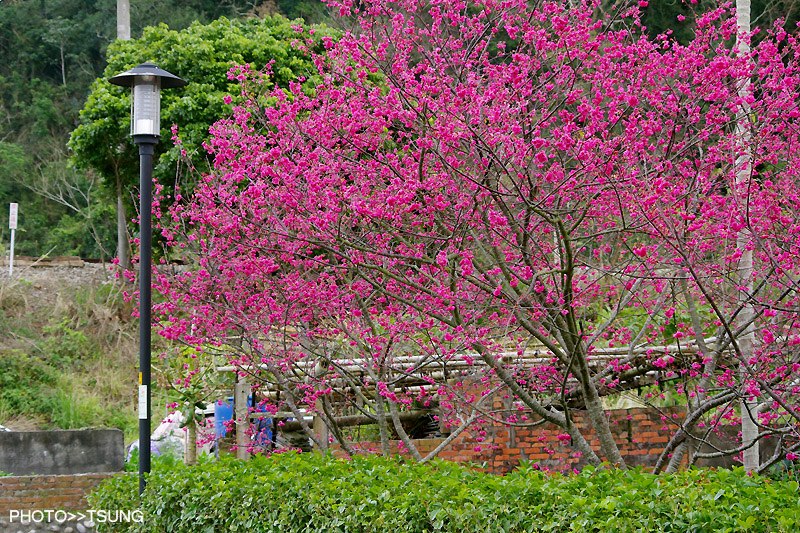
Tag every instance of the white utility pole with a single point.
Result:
(744, 169)
(12, 225)
(124, 20)
(123, 34)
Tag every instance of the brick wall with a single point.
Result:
(641, 435)
(67, 492)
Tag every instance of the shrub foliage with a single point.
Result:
(301, 493)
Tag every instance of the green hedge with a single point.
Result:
(308, 493)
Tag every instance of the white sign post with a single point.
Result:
(12, 225)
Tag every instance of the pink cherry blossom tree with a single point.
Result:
(532, 199)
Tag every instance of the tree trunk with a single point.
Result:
(703, 386)
(320, 429)
(123, 242)
(190, 445)
(744, 165)
(63, 65)
(383, 427)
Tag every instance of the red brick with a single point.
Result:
(60, 502)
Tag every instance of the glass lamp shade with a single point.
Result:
(146, 81)
(146, 106)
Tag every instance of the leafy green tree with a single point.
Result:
(203, 54)
(309, 10)
(679, 17)
(36, 217)
(50, 53)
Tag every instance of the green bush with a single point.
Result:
(303, 493)
(164, 461)
(26, 383)
(62, 345)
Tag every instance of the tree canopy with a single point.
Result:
(203, 55)
(534, 202)
(51, 51)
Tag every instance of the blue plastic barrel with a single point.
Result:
(223, 412)
(262, 429)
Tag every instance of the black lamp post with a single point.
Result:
(146, 81)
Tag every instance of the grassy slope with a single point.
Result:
(67, 354)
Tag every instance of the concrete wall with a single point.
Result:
(61, 452)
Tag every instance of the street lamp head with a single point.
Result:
(146, 81)
(128, 78)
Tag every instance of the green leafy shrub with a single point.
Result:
(786, 470)
(63, 345)
(164, 461)
(26, 383)
(302, 493)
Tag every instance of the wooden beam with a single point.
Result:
(351, 420)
